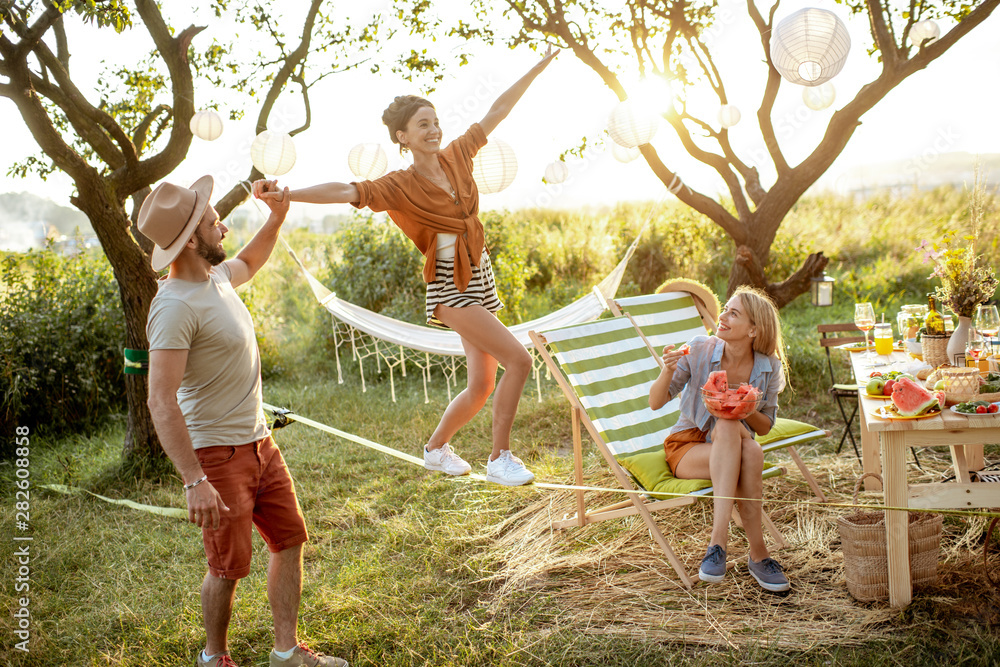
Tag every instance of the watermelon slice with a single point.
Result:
(911, 399)
(717, 381)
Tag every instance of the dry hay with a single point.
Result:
(610, 577)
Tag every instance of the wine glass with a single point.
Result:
(975, 347)
(987, 322)
(864, 319)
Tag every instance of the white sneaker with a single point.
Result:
(446, 461)
(508, 470)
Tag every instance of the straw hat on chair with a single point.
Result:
(703, 296)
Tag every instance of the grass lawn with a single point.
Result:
(406, 567)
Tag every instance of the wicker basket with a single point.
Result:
(935, 349)
(866, 565)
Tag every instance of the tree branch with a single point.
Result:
(173, 50)
(770, 88)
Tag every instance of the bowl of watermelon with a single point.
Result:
(729, 401)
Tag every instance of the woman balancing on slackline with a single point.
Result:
(435, 202)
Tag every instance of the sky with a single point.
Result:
(951, 106)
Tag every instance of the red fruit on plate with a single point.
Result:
(887, 388)
(993, 407)
(875, 374)
(980, 409)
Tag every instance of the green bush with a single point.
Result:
(378, 268)
(61, 345)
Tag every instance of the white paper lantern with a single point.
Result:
(494, 167)
(729, 115)
(631, 126)
(367, 161)
(810, 46)
(819, 97)
(623, 154)
(273, 153)
(206, 125)
(556, 172)
(921, 30)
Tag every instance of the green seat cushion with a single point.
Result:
(787, 428)
(649, 468)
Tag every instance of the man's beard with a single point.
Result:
(214, 255)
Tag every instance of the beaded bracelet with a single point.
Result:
(188, 487)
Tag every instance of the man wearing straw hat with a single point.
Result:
(205, 400)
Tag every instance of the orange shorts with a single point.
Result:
(677, 445)
(258, 490)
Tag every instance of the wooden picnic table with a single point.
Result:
(964, 435)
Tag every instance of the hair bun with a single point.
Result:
(398, 114)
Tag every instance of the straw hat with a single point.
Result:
(169, 216)
(698, 290)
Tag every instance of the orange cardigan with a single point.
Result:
(423, 210)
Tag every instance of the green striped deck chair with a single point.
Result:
(605, 369)
(669, 318)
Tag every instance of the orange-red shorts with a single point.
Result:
(258, 490)
(677, 444)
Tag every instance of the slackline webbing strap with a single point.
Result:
(152, 509)
(289, 415)
(286, 415)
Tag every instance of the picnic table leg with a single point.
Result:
(870, 460)
(896, 522)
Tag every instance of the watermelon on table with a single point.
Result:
(911, 399)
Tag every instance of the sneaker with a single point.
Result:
(445, 460)
(303, 655)
(713, 565)
(508, 470)
(218, 660)
(768, 574)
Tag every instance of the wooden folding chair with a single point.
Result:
(845, 394)
(662, 317)
(605, 369)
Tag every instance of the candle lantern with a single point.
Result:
(821, 290)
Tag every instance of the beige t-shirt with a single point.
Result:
(220, 394)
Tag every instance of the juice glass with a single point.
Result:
(883, 339)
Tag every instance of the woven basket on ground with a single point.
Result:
(866, 565)
(935, 349)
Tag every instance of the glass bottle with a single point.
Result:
(934, 323)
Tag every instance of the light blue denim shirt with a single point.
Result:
(692, 373)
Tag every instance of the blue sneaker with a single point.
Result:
(713, 565)
(768, 574)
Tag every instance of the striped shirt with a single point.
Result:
(693, 371)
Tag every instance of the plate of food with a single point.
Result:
(856, 347)
(890, 412)
(881, 383)
(984, 408)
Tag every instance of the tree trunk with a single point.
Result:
(748, 270)
(136, 287)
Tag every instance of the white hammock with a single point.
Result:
(411, 339)
(448, 343)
